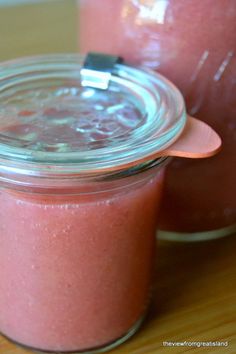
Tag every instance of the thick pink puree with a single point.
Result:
(76, 271)
(193, 43)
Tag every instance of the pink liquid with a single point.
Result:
(193, 43)
(76, 271)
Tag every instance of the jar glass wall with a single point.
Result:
(76, 270)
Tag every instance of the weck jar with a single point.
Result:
(83, 150)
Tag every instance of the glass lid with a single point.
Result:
(50, 122)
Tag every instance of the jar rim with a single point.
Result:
(159, 105)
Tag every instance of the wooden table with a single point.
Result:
(195, 283)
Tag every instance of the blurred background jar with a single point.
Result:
(192, 43)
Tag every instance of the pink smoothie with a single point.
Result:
(76, 271)
(193, 43)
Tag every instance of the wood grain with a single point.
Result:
(195, 283)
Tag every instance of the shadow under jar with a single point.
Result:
(81, 176)
(193, 43)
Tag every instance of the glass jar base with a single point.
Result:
(196, 236)
(102, 349)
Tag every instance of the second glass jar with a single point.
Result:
(192, 43)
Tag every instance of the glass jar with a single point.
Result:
(76, 267)
(192, 43)
(81, 176)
